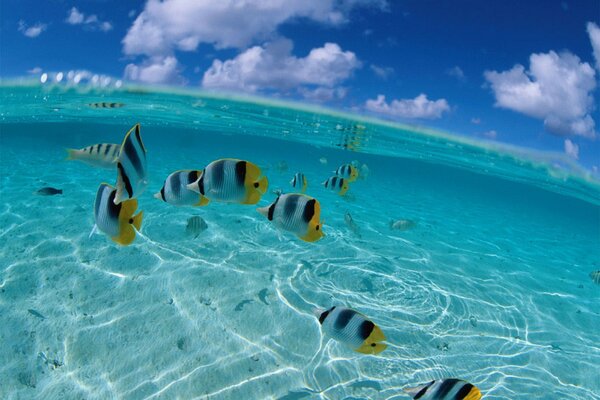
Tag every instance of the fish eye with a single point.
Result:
(317, 227)
(255, 184)
(131, 220)
(373, 344)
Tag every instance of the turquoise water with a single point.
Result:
(491, 285)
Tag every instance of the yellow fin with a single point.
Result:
(252, 196)
(474, 394)
(71, 154)
(372, 348)
(128, 207)
(137, 220)
(126, 236)
(202, 202)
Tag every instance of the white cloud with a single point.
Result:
(92, 22)
(492, 134)
(456, 72)
(155, 70)
(594, 33)
(382, 72)
(557, 88)
(273, 66)
(419, 107)
(31, 31)
(165, 26)
(571, 149)
(35, 70)
(476, 121)
(323, 94)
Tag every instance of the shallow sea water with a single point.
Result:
(491, 285)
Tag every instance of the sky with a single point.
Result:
(525, 73)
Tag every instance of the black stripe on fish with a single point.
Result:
(343, 318)
(289, 208)
(125, 178)
(272, 209)
(327, 183)
(309, 210)
(365, 329)
(107, 148)
(192, 176)
(240, 172)
(176, 185)
(162, 193)
(325, 314)
(294, 181)
(334, 182)
(423, 391)
(113, 210)
(139, 138)
(98, 148)
(133, 156)
(446, 387)
(464, 391)
(89, 149)
(201, 183)
(218, 173)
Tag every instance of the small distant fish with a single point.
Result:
(36, 313)
(337, 184)
(445, 389)
(352, 328)
(323, 160)
(49, 191)
(347, 171)
(175, 191)
(132, 176)
(106, 105)
(595, 275)
(116, 220)
(231, 181)
(262, 296)
(402, 224)
(282, 166)
(351, 224)
(195, 226)
(242, 303)
(296, 213)
(103, 155)
(299, 182)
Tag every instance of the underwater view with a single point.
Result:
(299, 200)
(462, 261)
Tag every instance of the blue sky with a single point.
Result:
(520, 72)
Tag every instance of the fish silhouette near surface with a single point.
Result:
(49, 191)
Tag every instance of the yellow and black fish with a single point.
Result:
(347, 171)
(296, 213)
(231, 181)
(103, 155)
(175, 190)
(337, 184)
(116, 220)
(132, 175)
(445, 389)
(106, 105)
(352, 328)
(299, 182)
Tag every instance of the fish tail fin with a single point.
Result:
(263, 211)
(137, 220)
(71, 154)
(202, 202)
(372, 348)
(263, 184)
(158, 195)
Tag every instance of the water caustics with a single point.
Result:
(474, 261)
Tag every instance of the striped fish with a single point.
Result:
(175, 190)
(352, 328)
(595, 275)
(106, 105)
(103, 155)
(299, 182)
(116, 220)
(231, 181)
(445, 389)
(195, 226)
(347, 171)
(296, 213)
(132, 176)
(337, 184)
